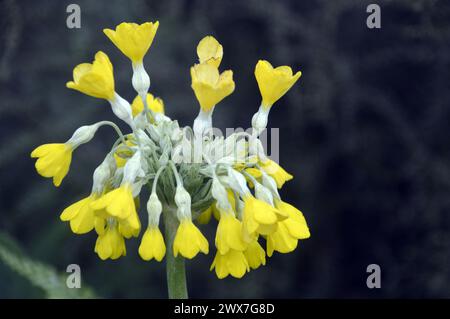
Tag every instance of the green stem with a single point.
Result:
(175, 268)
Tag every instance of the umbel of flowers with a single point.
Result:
(228, 178)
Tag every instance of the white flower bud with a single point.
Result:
(83, 135)
(140, 80)
(122, 109)
(154, 209)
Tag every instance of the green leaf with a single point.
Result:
(37, 273)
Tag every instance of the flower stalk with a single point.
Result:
(175, 266)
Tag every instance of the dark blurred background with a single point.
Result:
(365, 132)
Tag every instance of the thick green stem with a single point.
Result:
(175, 268)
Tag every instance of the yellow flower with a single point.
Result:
(274, 82)
(80, 215)
(289, 231)
(229, 233)
(131, 226)
(259, 217)
(189, 241)
(255, 254)
(152, 244)
(110, 244)
(276, 172)
(119, 203)
(296, 222)
(281, 241)
(209, 86)
(96, 79)
(53, 161)
(133, 39)
(154, 104)
(209, 50)
(124, 227)
(232, 263)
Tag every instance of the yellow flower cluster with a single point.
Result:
(245, 217)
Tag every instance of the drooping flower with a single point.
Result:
(276, 172)
(119, 203)
(80, 215)
(232, 263)
(255, 254)
(209, 86)
(274, 82)
(259, 217)
(53, 160)
(229, 233)
(189, 241)
(95, 79)
(152, 245)
(289, 231)
(110, 243)
(296, 222)
(210, 51)
(133, 39)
